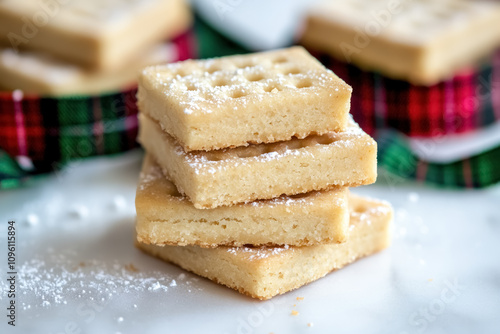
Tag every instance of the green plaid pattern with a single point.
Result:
(59, 130)
(479, 171)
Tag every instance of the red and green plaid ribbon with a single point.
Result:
(478, 171)
(391, 110)
(40, 134)
(469, 101)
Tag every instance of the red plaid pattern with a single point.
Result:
(43, 128)
(468, 101)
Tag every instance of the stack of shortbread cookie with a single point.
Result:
(59, 48)
(245, 181)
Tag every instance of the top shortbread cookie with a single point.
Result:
(422, 41)
(233, 101)
(96, 33)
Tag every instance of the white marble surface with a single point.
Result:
(441, 275)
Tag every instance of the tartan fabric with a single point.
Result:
(42, 134)
(396, 156)
(390, 110)
(468, 101)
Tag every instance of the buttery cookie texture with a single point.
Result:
(234, 101)
(263, 272)
(165, 217)
(262, 171)
(245, 180)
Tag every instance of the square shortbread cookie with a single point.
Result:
(263, 171)
(264, 272)
(165, 217)
(36, 72)
(98, 34)
(422, 41)
(233, 101)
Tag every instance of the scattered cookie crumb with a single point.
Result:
(80, 265)
(294, 305)
(430, 279)
(310, 324)
(300, 298)
(295, 312)
(132, 268)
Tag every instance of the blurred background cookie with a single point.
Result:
(97, 34)
(423, 42)
(36, 72)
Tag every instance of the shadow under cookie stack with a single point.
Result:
(245, 180)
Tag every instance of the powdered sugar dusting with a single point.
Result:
(363, 210)
(300, 199)
(307, 199)
(205, 86)
(155, 180)
(149, 176)
(259, 253)
(56, 279)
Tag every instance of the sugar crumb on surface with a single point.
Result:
(49, 280)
